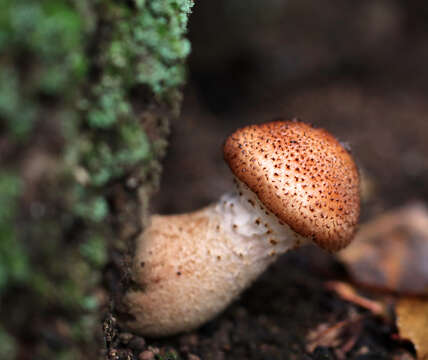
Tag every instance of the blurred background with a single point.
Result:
(86, 91)
(357, 69)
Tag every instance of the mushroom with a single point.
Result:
(294, 184)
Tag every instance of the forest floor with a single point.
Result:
(370, 93)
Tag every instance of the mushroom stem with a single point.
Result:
(294, 183)
(190, 267)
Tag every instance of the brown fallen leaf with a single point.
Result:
(390, 252)
(412, 323)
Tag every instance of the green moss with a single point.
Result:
(7, 345)
(170, 355)
(48, 29)
(54, 259)
(49, 33)
(14, 267)
(14, 264)
(88, 206)
(146, 47)
(157, 34)
(95, 251)
(109, 155)
(18, 113)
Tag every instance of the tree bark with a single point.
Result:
(86, 94)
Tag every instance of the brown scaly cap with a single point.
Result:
(303, 175)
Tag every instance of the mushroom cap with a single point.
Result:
(303, 175)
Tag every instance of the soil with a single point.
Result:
(357, 69)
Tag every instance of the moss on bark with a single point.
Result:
(86, 92)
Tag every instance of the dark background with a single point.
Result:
(357, 69)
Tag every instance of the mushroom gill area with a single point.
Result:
(255, 231)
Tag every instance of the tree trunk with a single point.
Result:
(87, 89)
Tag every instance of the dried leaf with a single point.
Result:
(390, 252)
(412, 322)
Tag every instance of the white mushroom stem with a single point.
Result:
(190, 267)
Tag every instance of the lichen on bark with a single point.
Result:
(87, 89)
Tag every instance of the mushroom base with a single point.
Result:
(190, 267)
